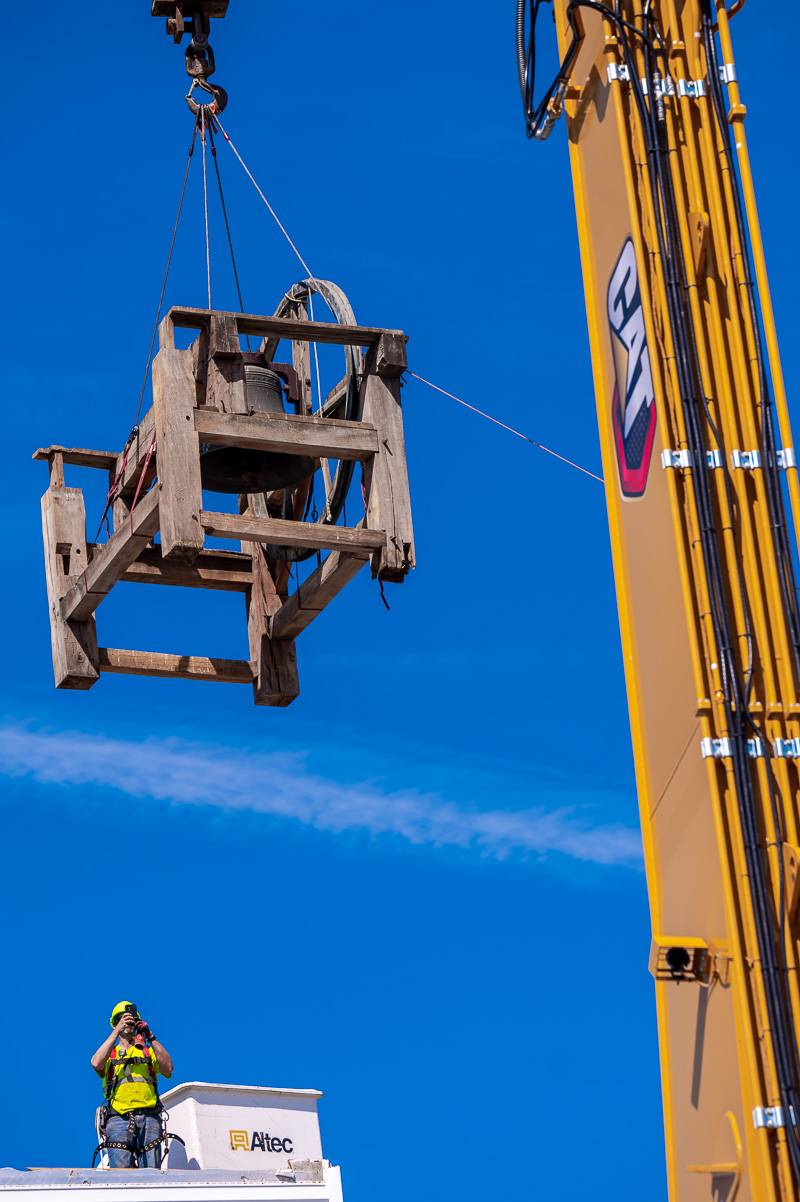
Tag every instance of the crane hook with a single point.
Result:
(215, 105)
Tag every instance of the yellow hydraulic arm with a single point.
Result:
(703, 495)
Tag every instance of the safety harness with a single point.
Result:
(104, 1112)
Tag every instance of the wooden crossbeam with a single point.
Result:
(280, 327)
(212, 8)
(308, 602)
(125, 546)
(79, 457)
(109, 461)
(179, 667)
(224, 571)
(281, 533)
(315, 436)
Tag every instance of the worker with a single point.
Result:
(129, 1062)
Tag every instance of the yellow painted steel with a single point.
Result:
(718, 1062)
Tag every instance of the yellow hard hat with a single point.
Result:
(118, 1011)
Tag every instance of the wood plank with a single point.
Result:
(74, 644)
(177, 455)
(314, 436)
(130, 474)
(276, 680)
(114, 558)
(56, 466)
(213, 8)
(386, 485)
(224, 571)
(281, 533)
(225, 385)
(301, 361)
(79, 457)
(286, 327)
(308, 602)
(335, 399)
(223, 337)
(178, 667)
(390, 354)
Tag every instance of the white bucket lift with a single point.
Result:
(242, 1144)
(242, 1127)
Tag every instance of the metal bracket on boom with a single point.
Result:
(683, 459)
(618, 73)
(687, 958)
(695, 89)
(772, 1117)
(746, 461)
(722, 749)
(786, 749)
(749, 461)
(727, 73)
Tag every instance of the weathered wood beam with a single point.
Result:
(224, 571)
(74, 644)
(128, 467)
(301, 361)
(386, 476)
(314, 436)
(177, 455)
(283, 533)
(308, 602)
(276, 681)
(110, 461)
(79, 457)
(212, 8)
(179, 667)
(280, 327)
(335, 399)
(125, 546)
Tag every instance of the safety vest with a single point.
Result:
(130, 1079)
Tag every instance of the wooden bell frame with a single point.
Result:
(199, 397)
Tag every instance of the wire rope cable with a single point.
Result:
(227, 223)
(205, 201)
(165, 279)
(503, 426)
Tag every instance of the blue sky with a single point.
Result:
(418, 888)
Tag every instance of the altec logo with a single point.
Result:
(634, 411)
(250, 1141)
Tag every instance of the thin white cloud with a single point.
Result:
(280, 785)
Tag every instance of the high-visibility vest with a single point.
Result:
(130, 1079)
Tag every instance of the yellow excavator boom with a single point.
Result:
(703, 496)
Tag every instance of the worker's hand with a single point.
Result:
(143, 1028)
(125, 1025)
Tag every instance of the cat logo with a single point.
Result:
(633, 409)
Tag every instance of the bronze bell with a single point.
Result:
(238, 470)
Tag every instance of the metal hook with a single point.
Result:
(215, 105)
